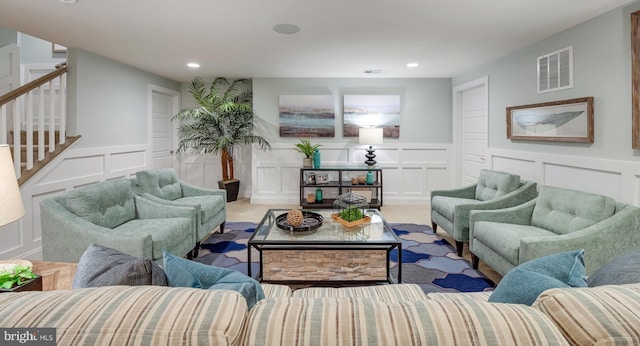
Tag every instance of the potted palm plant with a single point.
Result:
(223, 119)
(307, 149)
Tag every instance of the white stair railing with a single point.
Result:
(31, 98)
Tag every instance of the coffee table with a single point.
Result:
(329, 254)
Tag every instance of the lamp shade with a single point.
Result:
(11, 208)
(370, 135)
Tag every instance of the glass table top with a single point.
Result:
(377, 231)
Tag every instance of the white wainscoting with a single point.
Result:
(613, 178)
(410, 171)
(72, 169)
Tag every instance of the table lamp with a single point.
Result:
(11, 208)
(370, 136)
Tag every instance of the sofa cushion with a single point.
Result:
(524, 283)
(107, 204)
(126, 315)
(210, 205)
(103, 266)
(186, 273)
(564, 211)
(161, 183)
(168, 233)
(504, 238)
(446, 206)
(492, 184)
(383, 293)
(606, 315)
(623, 269)
(358, 321)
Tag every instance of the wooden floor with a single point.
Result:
(243, 210)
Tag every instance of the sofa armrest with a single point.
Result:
(463, 192)
(151, 209)
(189, 190)
(519, 214)
(65, 236)
(526, 192)
(602, 241)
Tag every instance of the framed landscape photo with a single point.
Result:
(559, 121)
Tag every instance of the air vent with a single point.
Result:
(555, 70)
(372, 71)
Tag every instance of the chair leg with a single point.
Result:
(222, 227)
(434, 226)
(459, 248)
(475, 261)
(195, 250)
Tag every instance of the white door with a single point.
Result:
(164, 105)
(471, 101)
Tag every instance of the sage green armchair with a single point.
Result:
(109, 214)
(558, 220)
(494, 190)
(163, 186)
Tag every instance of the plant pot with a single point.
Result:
(307, 162)
(232, 187)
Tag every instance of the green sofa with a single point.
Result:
(163, 186)
(494, 190)
(557, 220)
(110, 214)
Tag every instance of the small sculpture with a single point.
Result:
(295, 217)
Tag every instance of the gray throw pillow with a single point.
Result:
(103, 266)
(623, 269)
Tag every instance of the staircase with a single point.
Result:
(35, 148)
(36, 110)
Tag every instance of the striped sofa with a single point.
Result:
(374, 315)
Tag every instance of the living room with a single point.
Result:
(109, 104)
(425, 157)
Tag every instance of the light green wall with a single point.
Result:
(8, 36)
(108, 100)
(601, 57)
(36, 51)
(425, 104)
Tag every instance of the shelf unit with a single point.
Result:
(339, 182)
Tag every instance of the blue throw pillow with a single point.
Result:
(524, 283)
(186, 273)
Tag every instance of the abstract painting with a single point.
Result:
(307, 116)
(371, 111)
(561, 121)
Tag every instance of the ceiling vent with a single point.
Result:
(372, 71)
(555, 70)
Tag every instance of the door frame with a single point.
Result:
(175, 98)
(456, 162)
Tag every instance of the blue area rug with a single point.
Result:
(427, 259)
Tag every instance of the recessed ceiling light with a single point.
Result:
(69, 2)
(413, 64)
(286, 29)
(193, 65)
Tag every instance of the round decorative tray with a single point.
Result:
(311, 221)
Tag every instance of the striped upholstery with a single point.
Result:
(473, 296)
(357, 321)
(125, 315)
(383, 293)
(606, 315)
(275, 291)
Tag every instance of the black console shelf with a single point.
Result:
(338, 182)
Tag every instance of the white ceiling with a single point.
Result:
(337, 38)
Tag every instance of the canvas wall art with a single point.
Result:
(371, 111)
(307, 116)
(562, 121)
